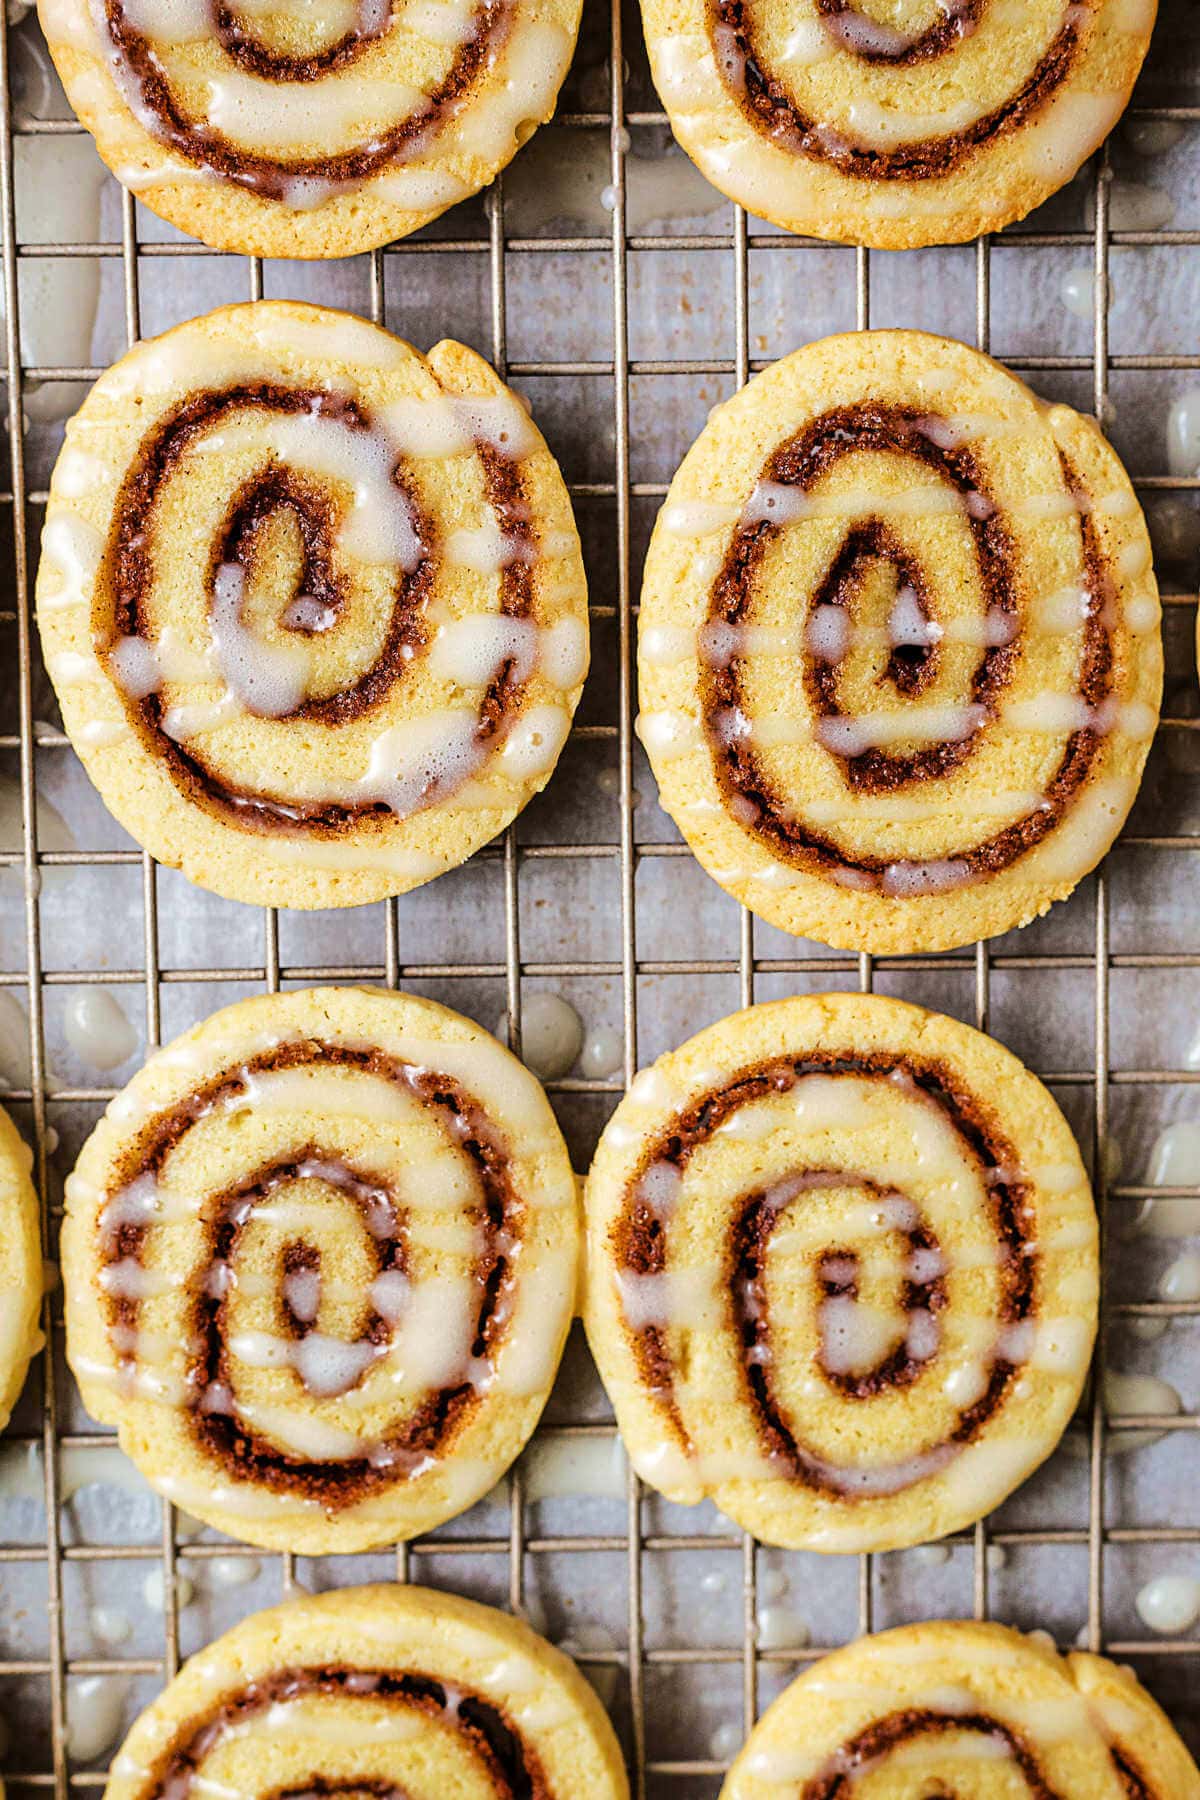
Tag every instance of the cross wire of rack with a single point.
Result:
(650, 1776)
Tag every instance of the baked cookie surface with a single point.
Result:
(972, 1707)
(21, 1278)
(320, 1263)
(841, 1272)
(899, 651)
(312, 603)
(384, 1691)
(894, 123)
(318, 131)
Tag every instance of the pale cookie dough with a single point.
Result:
(401, 1693)
(894, 123)
(841, 1272)
(320, 1261)
(963, 1708)
(312, 603)
(317, 131)
(899, 652)
(21, 1278)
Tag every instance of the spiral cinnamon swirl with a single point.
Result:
(963, 1709)
(899, 654)
(314, 131)
(894, 122)
(320, 1262)
(392, 1693)
(313, 604)
(21, 1282)
(841, 1272)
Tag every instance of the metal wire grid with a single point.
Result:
(649, 1776)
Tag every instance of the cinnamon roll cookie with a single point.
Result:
(320, 1263)
(899, 657)
(399, 1693)
(930, 1708)
(21, 1279)
(894, 122)
(841, 1272)
(313, 131)
(313, 604)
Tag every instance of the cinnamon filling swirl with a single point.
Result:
(210, 1388)
(511, 1762)
(639, 1239)
(766, 103)
(140, 74)
(869, 768)
(280, 495)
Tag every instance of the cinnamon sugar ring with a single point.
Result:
(841, 1272)
(966, 1708)
(313, 132)
(399, 1693)
(894, 123)
(313, 604)
(899, 654)
(320, 1263)
(21, 1278)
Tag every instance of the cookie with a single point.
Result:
(316, 133)
(320, 1264)
(841, 1272)
(21, 1282)
(398, 1692)
(312, 603)
(894, 126)
(929, 1707)
(899, 658)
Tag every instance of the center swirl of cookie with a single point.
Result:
(241, 101)
(340, 1311)
(897, 647)
(881, 142)
(277, 579)
(832, 1289)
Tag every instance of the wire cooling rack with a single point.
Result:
(1098, 965)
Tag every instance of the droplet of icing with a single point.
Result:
(153, 1590)
(1146, 1328)
(1174, 1162)
(725, 1742)
(780, 1628)
(997, 1558)
(95, 1715)
(1078, 291)
(97, 1028)
(110, 1625)
(1183, 434)
(555, 1468)
(1169, 1603)
(551, 1035)
(602, 1053)
(933, 1556)
(1136, 206)
(232, 1571)
(713, 1581)
(1134, 1393)
(1181, 1280)
(1152, 137)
